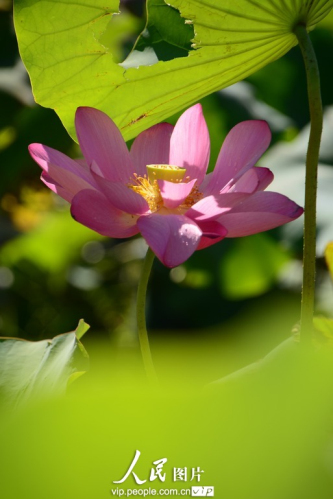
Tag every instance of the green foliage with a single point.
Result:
(81, 329)
(120, 31)
(324, 326)
(329, 257)
(44, 258)
(264, 436)
(42, 368)
(52, 246)
(251, 266)
(166, 32)
(231, 42)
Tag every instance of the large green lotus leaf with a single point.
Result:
(33, 369)
(61, 46)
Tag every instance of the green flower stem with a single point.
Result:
(312, 158)
(141, 317)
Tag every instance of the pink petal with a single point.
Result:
(190, 144)
(101, 141)
(62, 169)
(213, 232)
(265, 177)
(205, 182)
(211, 207)
(173, 238)
(261, 211)
(151, 147)
(175, 194)
(55, 187)
(120, 196)
(83, 163)
(242, 148)
(254, 179)
(247, 183)
(93, 210)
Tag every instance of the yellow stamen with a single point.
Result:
(149, 190)
(191, 199)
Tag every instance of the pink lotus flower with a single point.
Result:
(160, 188)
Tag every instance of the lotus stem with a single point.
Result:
(141, 317)
(312, 158)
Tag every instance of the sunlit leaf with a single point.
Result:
(81, 329)
(61, 45)
(34, 369)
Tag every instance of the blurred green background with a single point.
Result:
(230, 303)
(267, 435)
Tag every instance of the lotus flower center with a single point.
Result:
(148, 188)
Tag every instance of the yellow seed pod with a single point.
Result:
(165, 172)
